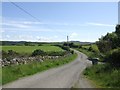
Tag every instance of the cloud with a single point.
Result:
(100, 24)
(50, 38)
(33, 29)
(29, 38)
(15, 25)
(55, 36)
(7, 36)
(25, 25)
(19, 38)
(22, 23)
(1, 30)
(73, 35)
(27, 29)
(29, 23)
(44, 39)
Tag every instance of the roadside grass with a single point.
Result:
(93, 47)
(104, 75)
(90, 54)
(0, 76)
(91, 51)
(29, 49)
(11, 73)
(86, 46)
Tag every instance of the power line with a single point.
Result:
(24, 10)
(27, 12)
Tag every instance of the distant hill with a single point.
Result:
(32, 43)
(82, 43)
(12, 42)
(26, 42)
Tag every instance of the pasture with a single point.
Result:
(91, 51)
(93, 46)
(30, 49)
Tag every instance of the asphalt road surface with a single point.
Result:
(61, 77)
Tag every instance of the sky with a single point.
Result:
(53, 21)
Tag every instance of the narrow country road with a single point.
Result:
(62, 77)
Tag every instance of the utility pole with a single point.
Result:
(67, 40)
(119, 12)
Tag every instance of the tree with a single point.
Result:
(110, 40)
(38, 52)
(65, 44)
(117, 30)
(26, 44)
(114, 57)
(103, 46)
(118, 34)
(71, 44)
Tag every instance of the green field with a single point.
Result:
(91, 53)
(93, 46)
(30, 49)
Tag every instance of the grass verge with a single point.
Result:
(104, 75)
(0, 76)
(90, 54)
(11, 73)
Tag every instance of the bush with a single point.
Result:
(80, 46)
(38, 52)
(66, 48)
(72, 51)
(9, 55)
(90, 49)
(65, 44)
(51, 53)
(11, 52)
(114, 57)
(61, 53)
(4, 54)
(40, 45)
